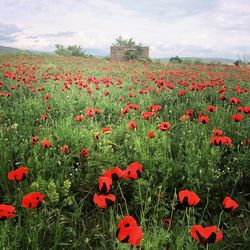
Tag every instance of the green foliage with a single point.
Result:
(175, 59)
(71, 50)
(182, 158)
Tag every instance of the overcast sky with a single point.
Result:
(201, 28)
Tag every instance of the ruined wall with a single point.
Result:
(118, 53)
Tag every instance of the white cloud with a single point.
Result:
(170, 27)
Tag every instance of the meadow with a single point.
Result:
(177, 133)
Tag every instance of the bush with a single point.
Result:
(71, 50)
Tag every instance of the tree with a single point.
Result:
(175, 59)
(120, 42)
(71, 50)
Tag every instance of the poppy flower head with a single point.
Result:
(65, 149)
(79, 118)
(203, 119)
(188, 198)
(84, 152)
(106, 130)
(7, 212)
(211, 109)
(33, 200)
(46, 143)
(131, 125)
(164, 126)
(104, 184)
(34, 140)
(151, 134)
(115, 173)
(133, 171)
(237, 117)
(206, 235)
(217, 132)
(229, 205)
(154, 108)
(128, 231)
(104, 200)
(18, 174)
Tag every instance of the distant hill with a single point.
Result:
(4, 49)
(203, 59)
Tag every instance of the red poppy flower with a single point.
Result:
(234, 100)
(104, 184)
(217, 140)
(206, 235)
(44, 117)
(33, 200)
(6, 212)
(46, 143)
(184, 118)
(246, 110)
(133, 171)
(154, 108)
(190, 112)
(115, 173)
(226, 141)
(132, 125)
(79, 118)
(188, 198)
(204, 119)
(217, 132)
(211, 109)
(104, 200)
(237, 117)
(182, 92)
(65, 149)
(129, 232)
(84, 152)
(151, 134)
(18, 174)
(147, 115)
(229, 205)
(164, 126)
(223, 97)
(47, 97)
(34, 140)
(106, 130)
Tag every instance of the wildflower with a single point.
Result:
(104, 200)
(104, 184)
(131, 125)
(151, 134)
(188, 198)
(204, 119)
(33, 200)
(18, 174)
(128, 231)
(206, 235)
(133, 171)
(237, 117)
(164, 126)
(229, 205)
(79, 118)
(6, 212)
(106, 130)
(46, 143)
(65, 149)
(34, 140)
(115, 173)
(84, 152)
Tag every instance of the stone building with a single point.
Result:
(117, 53)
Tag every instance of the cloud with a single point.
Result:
(170, 27)
(8, 32)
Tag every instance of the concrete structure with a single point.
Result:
(117, 53)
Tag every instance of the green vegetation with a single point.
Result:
(71, 50)
(49, 97)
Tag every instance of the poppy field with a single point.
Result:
(106, 155)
